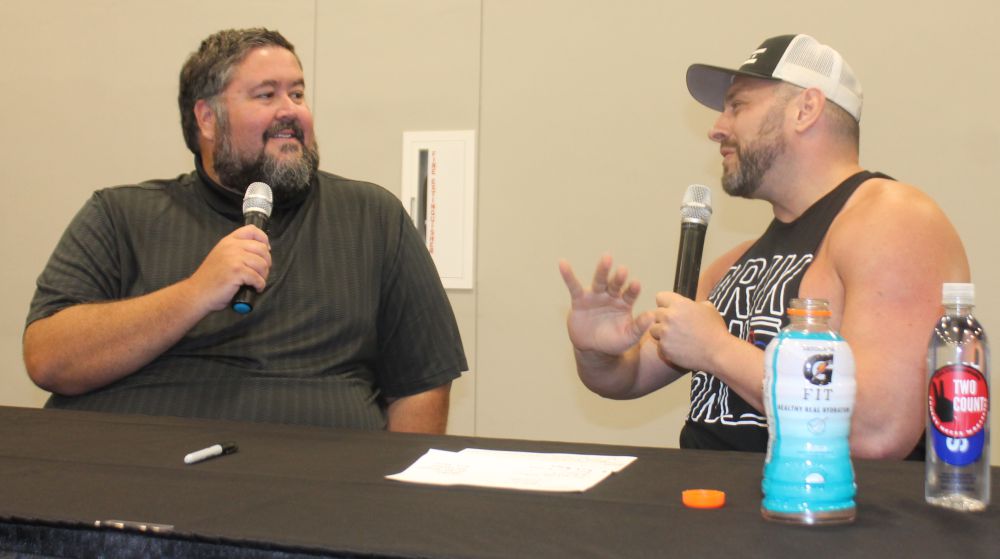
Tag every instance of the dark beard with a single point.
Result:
(757, 158)
(286, 179)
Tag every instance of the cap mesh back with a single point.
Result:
(807, 55)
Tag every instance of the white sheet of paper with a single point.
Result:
(531, 471)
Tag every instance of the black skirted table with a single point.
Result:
(302, 492)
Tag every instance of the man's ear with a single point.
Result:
(205, 117)
(809, 106)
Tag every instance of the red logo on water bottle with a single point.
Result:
(958, 400)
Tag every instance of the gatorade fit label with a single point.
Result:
(958, 401)
(809, 393)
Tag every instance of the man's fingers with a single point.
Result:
(603, 282)
(631, 293)
(667, 298)
(643, 322)
(251, 232)
(617, 280)
(569, 278)
(260, 265)
(600, 283)
(656, 330)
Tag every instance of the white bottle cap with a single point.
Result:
(958, 294)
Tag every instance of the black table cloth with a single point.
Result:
(295, 491)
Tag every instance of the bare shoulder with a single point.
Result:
(884, 203)
(889, 227)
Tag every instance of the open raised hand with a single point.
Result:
(601, 318)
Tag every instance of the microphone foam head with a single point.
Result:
(258, 199)
(697, 204)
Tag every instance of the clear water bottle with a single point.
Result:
(809, 390)
(958, 405)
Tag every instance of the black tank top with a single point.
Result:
(752, 297)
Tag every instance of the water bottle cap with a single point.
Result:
(958, 293)
(703, 498)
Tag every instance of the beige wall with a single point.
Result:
(587, 140)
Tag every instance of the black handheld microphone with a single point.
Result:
(257, 204)
(696, 210)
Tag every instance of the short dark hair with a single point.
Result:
(844, 124)
(208, 71)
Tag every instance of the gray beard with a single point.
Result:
(286, 179)
(756, 159)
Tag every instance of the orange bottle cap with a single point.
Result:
(703, 498)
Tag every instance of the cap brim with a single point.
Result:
(708, 84)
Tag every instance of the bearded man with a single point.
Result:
(878, 250)
(351, 325)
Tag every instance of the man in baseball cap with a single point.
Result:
(878, 250)
(796, 59)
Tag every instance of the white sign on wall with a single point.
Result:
(438, 190)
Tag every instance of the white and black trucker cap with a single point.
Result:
(796, 59)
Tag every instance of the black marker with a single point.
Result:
(206, 453)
